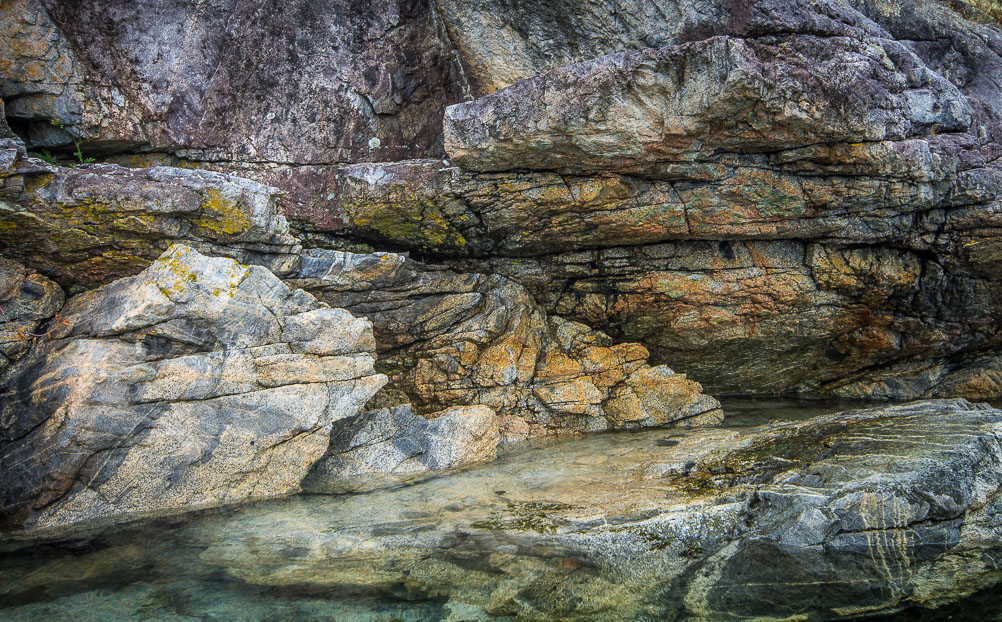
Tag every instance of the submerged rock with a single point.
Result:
(857, 513)
(198, 382)
(393, 446)
(449, 338)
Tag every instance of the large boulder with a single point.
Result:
(198, 382)
(450, 338)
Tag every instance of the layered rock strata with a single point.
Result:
(448, 338)
(606, 137)
(275, 93)
(860, 200)
(90, 224)
(198, 382)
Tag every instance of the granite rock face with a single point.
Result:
(198, 382)
(393, 446)
(447, 338)
(848, 515)
(91, 224)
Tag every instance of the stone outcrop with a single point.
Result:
(27, 300)
(88, 225)
(198, 382)
(850, 515)
(278, 92)
(394, 446)
(690, 102)
(837, 232)
(448, 338)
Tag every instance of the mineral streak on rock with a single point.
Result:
(198, 382)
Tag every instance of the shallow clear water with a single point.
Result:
(315, 557)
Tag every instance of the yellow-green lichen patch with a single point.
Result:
(221, 216)
(407, 221)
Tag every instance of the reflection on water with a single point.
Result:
(261, 562)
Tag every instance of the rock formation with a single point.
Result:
(91, 224)
(448, 338)
(769, 196)
(27, 299)
(198, 382)
(785, 520)
(394, 446)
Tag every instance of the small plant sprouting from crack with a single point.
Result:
(47, 156)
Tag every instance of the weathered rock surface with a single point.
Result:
(27, 299)
(283, 86)
(842, 516)
(880, 177)
(689, 102)
(607, 140)
(198, 382)
(91, 224)
(503, 42)
(391, 446)
(448, 338)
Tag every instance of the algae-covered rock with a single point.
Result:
(198, 382)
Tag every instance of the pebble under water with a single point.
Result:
(309, 557)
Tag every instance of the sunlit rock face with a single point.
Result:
(198, 382)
